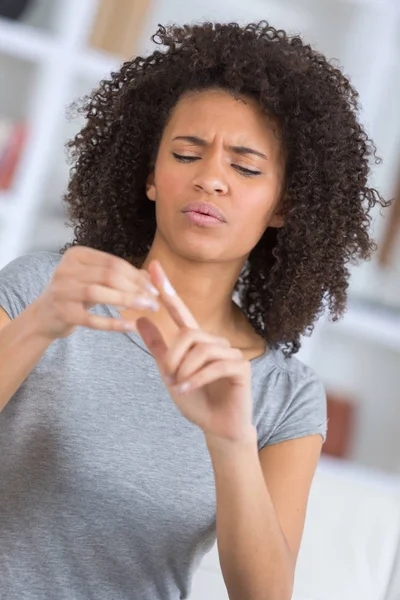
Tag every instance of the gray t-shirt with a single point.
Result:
(106, 491)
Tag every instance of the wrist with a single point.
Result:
(246, 439)
(33, 323)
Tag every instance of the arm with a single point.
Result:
(261, 496)
(261, 507)
(84, 278)
(21, 347)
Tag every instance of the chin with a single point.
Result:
(201, 250)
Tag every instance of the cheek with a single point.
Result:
(257, 206)
(169, 183)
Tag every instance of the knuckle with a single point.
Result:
(196, 354)
(89, 321)
(119, 265)
(202, 350)
(190, 334)
(110, 277)
(112, 261)
(223, 367)
(126, 300)
(89, 293)
(168, 365)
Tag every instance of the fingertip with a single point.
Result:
(141, 322)
(155, 271)
(154, 263)
(146, 328)
(127, 326)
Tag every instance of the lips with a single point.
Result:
(205, 208)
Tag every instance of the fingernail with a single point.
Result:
(168, 289)
(152, 289)
(170, 380)
(181, 389)
(145, 303)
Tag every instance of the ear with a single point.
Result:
(150, 187)
(276, 221)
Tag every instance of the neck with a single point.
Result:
(205, 287)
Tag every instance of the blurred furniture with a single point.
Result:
(351, 542)
(341, 418)
(13, 9)
(117, 26)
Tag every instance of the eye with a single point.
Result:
(185, 158)
(242, 170)
(246, 172)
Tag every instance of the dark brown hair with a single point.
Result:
(293, 273)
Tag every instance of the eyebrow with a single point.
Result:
(237, 149)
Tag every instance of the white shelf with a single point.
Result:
(372, 324)
(33, 45)
(96, 64)
(25, 42)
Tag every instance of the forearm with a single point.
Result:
(255, 559)
(21, 347)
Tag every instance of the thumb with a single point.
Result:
(152, 337)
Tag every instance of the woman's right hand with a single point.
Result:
(86, 277)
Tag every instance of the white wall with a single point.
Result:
(342, 31)
(366, 45)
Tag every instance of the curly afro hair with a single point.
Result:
(293, 274)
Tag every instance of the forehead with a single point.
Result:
(216, 112)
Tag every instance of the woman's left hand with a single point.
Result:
(209, 381)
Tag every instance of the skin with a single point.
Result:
(203, 264)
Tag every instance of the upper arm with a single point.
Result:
(288, 469)
(4, 318)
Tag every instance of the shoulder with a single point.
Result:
(23, 280)
(281, 370)
(289, 398)
(40, 262)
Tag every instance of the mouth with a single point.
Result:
(205, 209)
(202, 219)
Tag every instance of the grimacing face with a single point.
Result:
(211, 162)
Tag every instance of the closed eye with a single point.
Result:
(242, 170)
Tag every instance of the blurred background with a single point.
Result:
(54, 51)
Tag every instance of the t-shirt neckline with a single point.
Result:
(136, 338)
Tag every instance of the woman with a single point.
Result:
(219, 192)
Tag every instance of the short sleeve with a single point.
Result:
(24, 279)
(305, 409)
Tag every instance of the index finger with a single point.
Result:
(173, 303)
(92, 257)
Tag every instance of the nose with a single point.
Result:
(210, 179)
